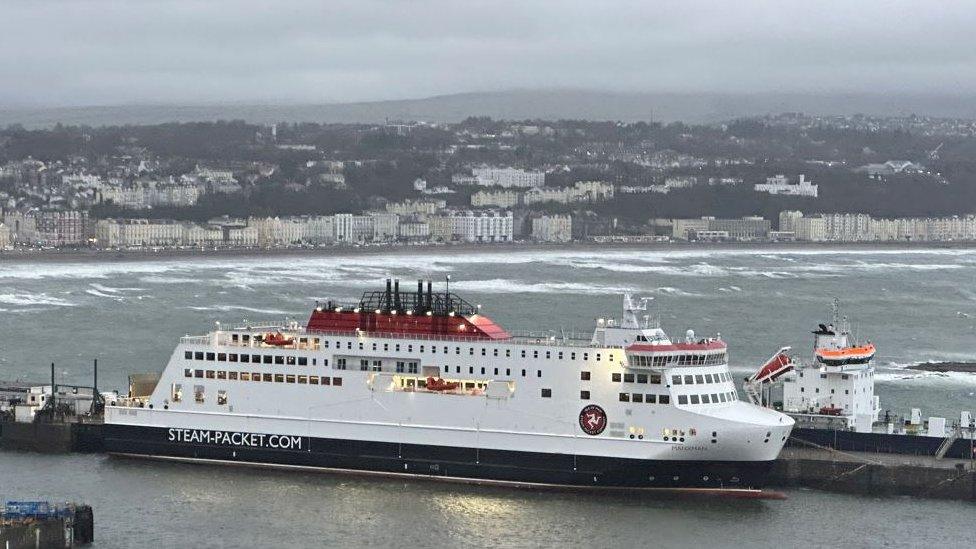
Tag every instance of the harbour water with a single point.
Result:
(915, 304)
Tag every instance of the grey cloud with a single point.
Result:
(108, 52)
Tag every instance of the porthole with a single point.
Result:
(705, 478)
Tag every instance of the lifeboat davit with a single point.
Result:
(846, 355)
(277, 339)
(438, 384)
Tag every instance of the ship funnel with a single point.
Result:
(430, 295)
(389, 293)
(396, 294)
(418, 301)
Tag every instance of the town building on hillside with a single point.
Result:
(552, 228)
(781, 185)
(508, 177)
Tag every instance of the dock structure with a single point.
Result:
(38, 524)
(876, 474)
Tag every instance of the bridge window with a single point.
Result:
(290, 378)
(637, 397)
(624, 397)
(699, 379)
(560, 355)
(585, 376)
(221, 374)
(535, 354)
(187, 372)
(572, 356)
(547, 393)
(523, 373)
(188, 355)
(211, 374)
(314, 380)
(584, 395)
(245, 376)
(363, 364)
(340, 364)
(303, 380)
(682, 399)
(655, 379)
(177, 393)
(695, 399)
(641, 378)
(714, 398)
(650, 398)
(664, 399)
(676, 380)
(615, 377)
(279, 378)
(303, 361)
(628, 378)
(337, 381)
(508, 353)
(198, 394)
(689, 380)
(705, 399)
(538, 373)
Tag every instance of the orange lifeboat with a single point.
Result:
(438, 384)
(846, 355)
(277, 339)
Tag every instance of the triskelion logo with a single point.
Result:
(593, 420)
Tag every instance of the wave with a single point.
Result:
(34, 299)
(97, 293)
(507, 286)
(230, 308)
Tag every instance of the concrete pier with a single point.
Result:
(875, 474)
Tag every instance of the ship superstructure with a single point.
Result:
(423, 383)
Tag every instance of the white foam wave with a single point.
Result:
(34, 299)
(230, 308)
(97, 293)
(507, 286)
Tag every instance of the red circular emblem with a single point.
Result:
(593, 420)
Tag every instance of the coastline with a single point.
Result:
(87, 254)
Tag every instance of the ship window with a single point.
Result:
(483, 351)
(340, 364)
(245, 338)
(245, 376)
(637, 397)
(572, 356)
(508, 353)
(221, 374)
(255, 376)
(337, 381)
(676, 380)
(656, 379)
(222, 357)
(641, 378)
(695, 399)
(198, 355)
(268, 359)
(548, 355)
(232, 376)
(233, 338)
(705, 399)
(279, 378)
(817, 389)
(843, 376)
(610, 357)
(650, 399)
(831, 391)
(624, 397)
(682, 399)
(188, 355)
(377, 365)
(412, 367)
(628, 378)
(360, 345)
(584, 395)
(266, 378)
(290, 378)
(471, 351)
(724, 397)
(232, 357)
(256, 359)
(523, 373)
(290, 360)
(508, 371)
(523, 353)
(615, 377)
(187, 372)
(457, 350)
(823, 376)
(470, 369)
(708, 378)
(445, 349)
(560, 355)
(535, 354)
(211, 374)
(221, 398)
(496, 371)
(349, 345)
(847, 391)
(198, 394)
(699, 379)
(386, 346)
(802, 389)
(409, 348)
(598, 357)
(363, 364)
(482, 370)
(303, 380)
(585, 376)
(303, 361)
(314, 380)
(664, 399)
(401, 367)
(689, 380)
(177, 395)
(457, 369)
(210, 356)
(538, 373)
(547, 393)
(278, 359)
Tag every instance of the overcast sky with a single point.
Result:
(99, 52)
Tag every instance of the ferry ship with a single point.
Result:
(425, 384)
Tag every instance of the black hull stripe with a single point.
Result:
(515, 467)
